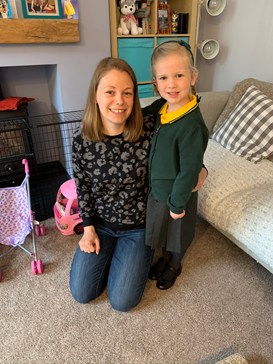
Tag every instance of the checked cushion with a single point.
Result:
(248, 129)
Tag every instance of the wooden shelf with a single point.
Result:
(23, 31)
(137, 49)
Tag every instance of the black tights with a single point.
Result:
(174, 259)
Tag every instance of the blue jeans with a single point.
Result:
(122, 264)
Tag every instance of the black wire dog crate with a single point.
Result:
(46, 142)
(15, 142)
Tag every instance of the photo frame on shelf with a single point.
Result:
(164, 19)
(13, 8)
(49, 9)
(70, 9)
(8, 9)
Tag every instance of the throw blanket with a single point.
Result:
(13, 103)
(237, 199)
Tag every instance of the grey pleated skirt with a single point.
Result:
(163, 231)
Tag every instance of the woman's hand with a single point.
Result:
(177, 216)
(201, 179)
(90, 241)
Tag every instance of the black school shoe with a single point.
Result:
(158, 269)
(168, 278)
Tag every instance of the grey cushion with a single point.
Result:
(236, 94)
(211, 105)
(248, 130)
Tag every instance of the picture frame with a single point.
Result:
(164, 19)
(8, 9)
(70, 9)
(49, 9)
(13, 8)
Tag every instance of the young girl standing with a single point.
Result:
(175, 161)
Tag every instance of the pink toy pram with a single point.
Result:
(17, 221)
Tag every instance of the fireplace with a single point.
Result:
(41, 133)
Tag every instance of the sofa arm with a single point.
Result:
(211, 106)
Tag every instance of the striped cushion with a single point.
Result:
(248, 129)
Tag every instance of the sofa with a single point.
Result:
(237, 197)
(233, 359)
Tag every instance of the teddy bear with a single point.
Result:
(128, 22)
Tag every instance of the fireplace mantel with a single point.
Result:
(23, 31)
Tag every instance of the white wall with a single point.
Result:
(244, 30)
(245, 33)
(70, 65)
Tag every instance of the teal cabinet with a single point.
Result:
(165, 39)
(137, 52)
(145, 91)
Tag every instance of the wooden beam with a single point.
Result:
(20, 31)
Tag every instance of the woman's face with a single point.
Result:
(115, 99)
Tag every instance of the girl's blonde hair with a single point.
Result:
(174, 47)
(92, 127)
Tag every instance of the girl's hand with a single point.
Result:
(177, 216)
(90, 241)
(201, 179)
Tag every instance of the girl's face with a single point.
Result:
(173, 79)
(115, 98)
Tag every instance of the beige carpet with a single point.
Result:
(222, 304)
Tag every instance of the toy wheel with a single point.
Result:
(40, 266)
(78, 229)
(34, 267)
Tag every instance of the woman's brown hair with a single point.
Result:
(92, 127)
